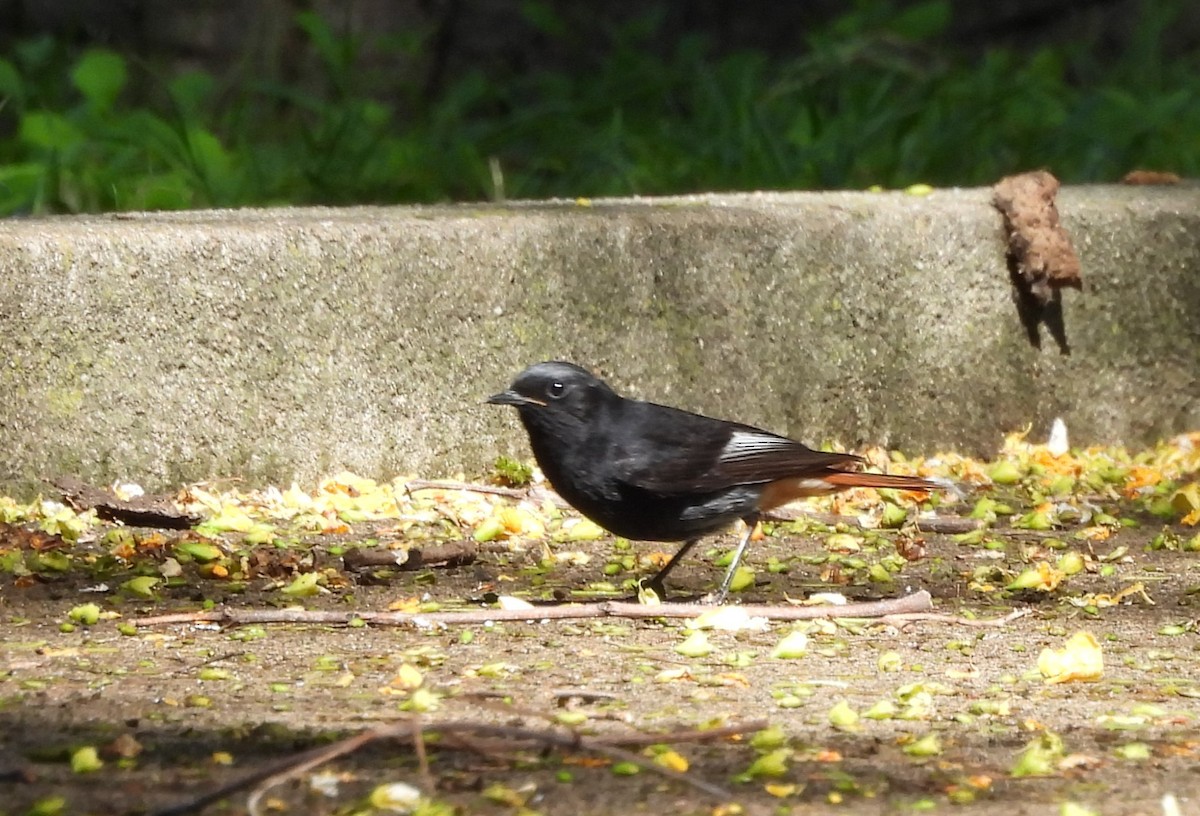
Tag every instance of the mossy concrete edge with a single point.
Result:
(280, 345)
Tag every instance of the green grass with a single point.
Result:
(869, 102)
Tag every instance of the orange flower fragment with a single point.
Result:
(657, 559)
(1064, 465)
(1186, 502)
(125, 550)
(154, 541)
(586, 761)
(1140, 476)
(1095, 533)
(1190, 748)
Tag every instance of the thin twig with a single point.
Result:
(536, 493)
(1020, 532)
(466, 487)
(159, 512)
(325, 753)
(418, 742)
(564, 697)
(306, 762)
(916, 602)
(450, 555)
(948, 525)
(899, 611)
(691, 735)
(612, 747)
(904, 618)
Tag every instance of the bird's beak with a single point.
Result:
(511, 397)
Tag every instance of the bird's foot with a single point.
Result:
(653, 591)
(714, 598)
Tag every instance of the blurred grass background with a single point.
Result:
(540, 99)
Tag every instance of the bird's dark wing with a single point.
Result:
(669, 451)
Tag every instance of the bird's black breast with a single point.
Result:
(587, 471)
(650, 517)
(634, 512)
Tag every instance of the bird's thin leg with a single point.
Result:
(719, 597)
(656, 583)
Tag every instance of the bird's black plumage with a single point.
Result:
(652, 472)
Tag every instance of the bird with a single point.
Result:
(651, 472)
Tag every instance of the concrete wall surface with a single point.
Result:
(286, 344)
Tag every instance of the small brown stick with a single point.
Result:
(418, 741)
(694, 735)
(448, 556)
(283, 769)
(948, 525)
(916, 602)
(305, 762)
(466, 487)
(567, 696)
(24, 776)
(157, 512)
(904, 619)
(1018, 532)
(533, 492)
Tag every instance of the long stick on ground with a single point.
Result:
(227, 616)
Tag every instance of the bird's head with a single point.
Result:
(555, 393)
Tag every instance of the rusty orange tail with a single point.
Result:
(843, 479)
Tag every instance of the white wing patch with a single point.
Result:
(747, 445)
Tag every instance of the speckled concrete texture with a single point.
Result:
(285, 344)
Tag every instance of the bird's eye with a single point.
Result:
(555, 390)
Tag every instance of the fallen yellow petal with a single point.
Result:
(407, 678)
(410, 604)
(1080, 661)
(673, 760)
(519, 521)
(1103, 600)
(1042, 577)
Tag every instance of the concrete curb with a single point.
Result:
(281, 344)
